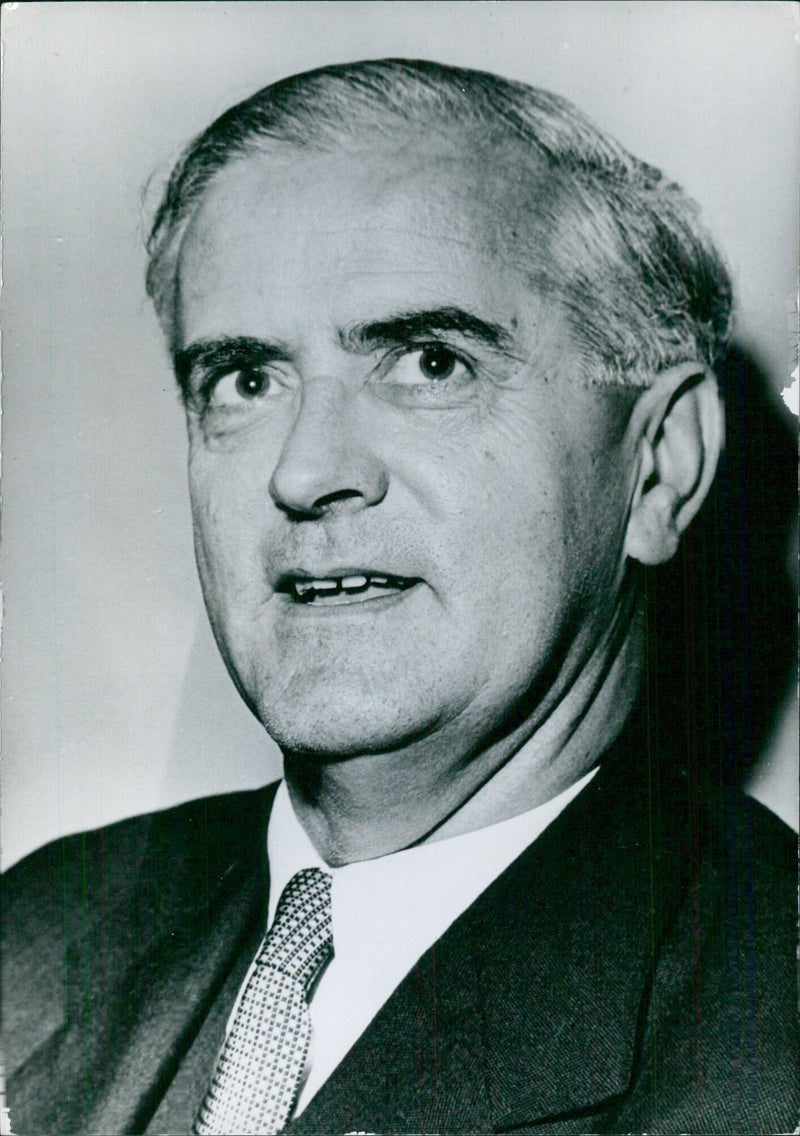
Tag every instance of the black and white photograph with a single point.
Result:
(400, 567)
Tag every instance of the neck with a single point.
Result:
(367, 806)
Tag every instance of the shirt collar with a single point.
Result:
(406, 892)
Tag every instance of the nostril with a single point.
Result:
(326, 505)
(329, 501)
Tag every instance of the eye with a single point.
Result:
(245, 384)
(433, 363)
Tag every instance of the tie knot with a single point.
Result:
(300, 939)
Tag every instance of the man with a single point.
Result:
(447, 355)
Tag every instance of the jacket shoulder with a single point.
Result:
(720, 1042)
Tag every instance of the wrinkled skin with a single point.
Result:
(493, 473)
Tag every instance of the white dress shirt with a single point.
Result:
(387, 913)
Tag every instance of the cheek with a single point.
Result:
(549, 523)
(499, 524)
(597, 515)
(227, 532)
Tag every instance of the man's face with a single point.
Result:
(409, 507)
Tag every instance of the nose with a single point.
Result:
(327, 463)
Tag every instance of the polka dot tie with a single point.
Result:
(255, 1083)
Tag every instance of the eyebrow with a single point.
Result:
(202, 359)
(412, 327)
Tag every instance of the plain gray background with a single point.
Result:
(115, 701)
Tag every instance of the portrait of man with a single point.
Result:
(454, 366)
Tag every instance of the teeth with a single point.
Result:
(307, 590)
(354, 583)
(303, 587)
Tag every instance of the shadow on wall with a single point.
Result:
(722, 615)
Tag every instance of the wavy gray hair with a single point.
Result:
(619, 246)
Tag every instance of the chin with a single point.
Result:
(336, 727)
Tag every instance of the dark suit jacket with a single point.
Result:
(633, 971)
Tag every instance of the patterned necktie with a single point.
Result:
(258, 1072)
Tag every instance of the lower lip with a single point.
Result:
(367, 606)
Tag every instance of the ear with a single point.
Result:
(677, 427)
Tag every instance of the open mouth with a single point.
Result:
(355, 587)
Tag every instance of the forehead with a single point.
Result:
(354, 227)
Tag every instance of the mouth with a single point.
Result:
(350, 587)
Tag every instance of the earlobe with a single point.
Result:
(676, 428)
(653, 534)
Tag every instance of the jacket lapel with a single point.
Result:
(222, 913)
(399, 1076)
(147, 967)
(563, 974)
(528, 1008)
(175, 989)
